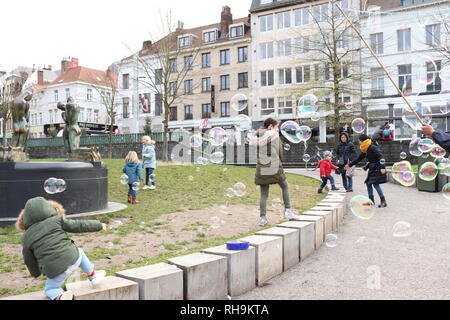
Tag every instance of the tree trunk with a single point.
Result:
(5, 142)
(110, 139)
(166, 134)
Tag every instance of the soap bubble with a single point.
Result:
(230, 193)
(444, 74)
(358, 125)
(217, 157)
(306, 157)
(428, 171)
(414, 147)
(124, 179)
(240, 189)
(403, 155)
(437, 152)
(202, 161)
(197, 169)
(135, 186)
(287, 147)
(290, 130)
(331, 240)
(446, 191)
(305, 133)
(239, 102)
(403, 173)
(401, 230)
(426, 145)
(382, 162)
(307, 104)
(444, 108)
(53, 185)
(115, 224)
(442, 163)
(196, 140)
(362, 207)
(423, 111)
(243, 123)
(217, 136)
(315, 116)
(276, 203)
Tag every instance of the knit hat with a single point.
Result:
(327, 153)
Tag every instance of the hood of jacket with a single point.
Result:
(344, 134)
(131, 164)
(262, 137)
(37, 210)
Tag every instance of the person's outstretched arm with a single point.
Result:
(441, 138)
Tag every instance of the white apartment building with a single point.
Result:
(406, 35)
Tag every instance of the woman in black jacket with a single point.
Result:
(345, 155)
(377, 170)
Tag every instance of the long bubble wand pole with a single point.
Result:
(381, 65)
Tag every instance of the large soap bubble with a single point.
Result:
(290, 130)
(243, 123)
(428, 171)
(304, 133)
(239, 102)
(54, 185)
(414, 147)
(359, 125)
(426, 145)
(217, 136)
(437, 152)
(362, 207)
(307, 105)
(217, 157)
(401, 229)
(196, 140)
(424, 112)
(403, 173)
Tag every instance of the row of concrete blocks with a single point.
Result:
(217, 272)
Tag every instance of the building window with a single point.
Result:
(320, 12)
(188, 63)
(173, 89)
(210, 36)
(285, 105)
(243, 80)
(225, 82)
(89, 95)
(40, 118)
(206, 84)
(188, 87)
(173, 114)
(343, 39)
(303, 74)
(224, 109)
(266, 50)
(266, 23)
(206, 60)
(404, 39)
(184, 42)
(173, 65)
(224, 57)
(301, 45)
(125, 107)
(433, 78)
(82, 116)
(237, 31)
(405, 77)
(56, 96)
(206, 111)
(377, 88)
(327, 71)
(267, 78)
(125, 81)
(284, 48)
(267, 106)
(376, 42)
(284, 20)
(301, 16)
(89, 115)
(341, 4)
(242, 54)
(285, 76)
(158, 76)
(344, 71)
(158, 105)
(433, 33)
(96, 116)
(188, 112)
(50, 116)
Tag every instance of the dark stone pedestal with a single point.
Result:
(87, 185)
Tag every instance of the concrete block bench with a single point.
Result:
(291, 244)
(111, 288)
(327, 215)
(339, 206)
(269, 256)
(334, 214)
(307, 239)
(160, 281)
(205, 276)
(39, 295)
(241, 268)
(335, 199)
(319, 227)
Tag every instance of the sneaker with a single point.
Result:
(319, 192)
(145, 187)
(67, 295)
(152, 188)
(334, 189)
(263, 222)
(290, 215)
(97, 278)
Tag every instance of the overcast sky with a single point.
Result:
(98, 32)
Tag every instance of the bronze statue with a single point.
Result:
(72, 131)
(20, 116)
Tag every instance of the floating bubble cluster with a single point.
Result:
(403, 173)
(362, 207)
(54, 185)
(401, 230)
(359, 125)
(428, 171)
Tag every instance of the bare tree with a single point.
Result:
(329, 61)
(164, 74)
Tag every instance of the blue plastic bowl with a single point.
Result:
(238, 245)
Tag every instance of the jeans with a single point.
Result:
(325, 181)
(265, 194)
(131, 192)
(53, 285)
(149, 174)
(377, 187)
(347, 181)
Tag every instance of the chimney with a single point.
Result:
(146, 45)
(180, 24)
(66, 64)
(40, 77)
(226, 19)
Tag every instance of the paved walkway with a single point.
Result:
(415, 267)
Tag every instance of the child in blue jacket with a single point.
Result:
(133, 169)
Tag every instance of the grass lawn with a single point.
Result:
(188, 212)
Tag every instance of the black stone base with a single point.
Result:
(87, 185)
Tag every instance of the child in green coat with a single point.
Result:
(48, 250)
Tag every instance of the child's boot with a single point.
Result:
(134, 201)
(129, 198)
(67, 295)
(96, 277)
(383, 203)
(319, 191)
(333, 188)
(373, 199)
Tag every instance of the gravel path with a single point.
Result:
(415, 267)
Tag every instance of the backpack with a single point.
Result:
(387, 133)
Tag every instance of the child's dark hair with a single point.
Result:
(363, 137)
(270, 121)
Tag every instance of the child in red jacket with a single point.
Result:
(325, 171)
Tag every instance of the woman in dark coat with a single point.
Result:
(345, 155)
(269, 167)
(377, 170)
